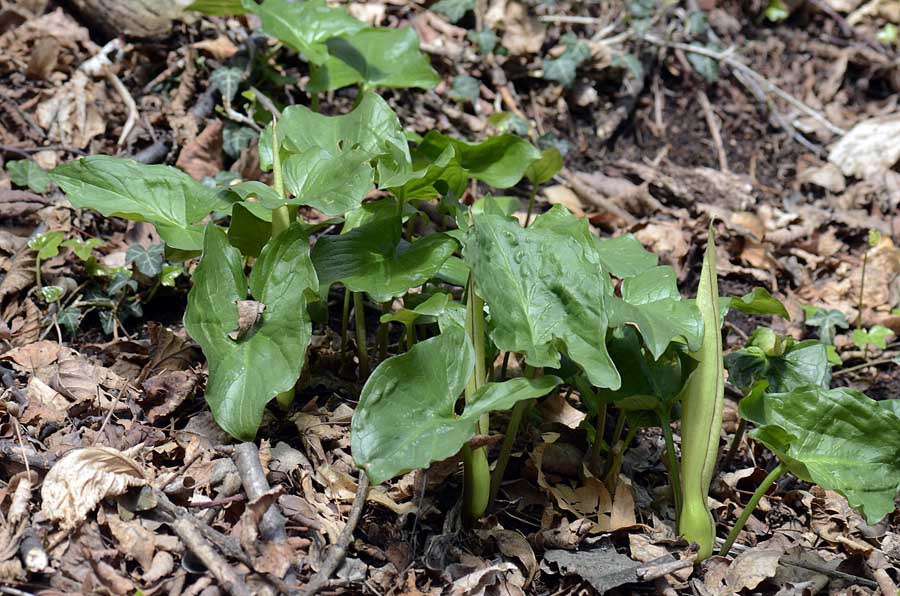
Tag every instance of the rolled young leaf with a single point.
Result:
(701, 419)
(266, 358)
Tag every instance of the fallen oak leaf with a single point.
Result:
(249, 313)
(83, 478)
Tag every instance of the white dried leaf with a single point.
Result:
(83, 478)
(872, 147)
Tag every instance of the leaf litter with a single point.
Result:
(95, 416)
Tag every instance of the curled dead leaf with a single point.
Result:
(249, 313)
(83, 478)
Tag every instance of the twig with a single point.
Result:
(13, 452)
(246, 460)
(727, 57)
(219, 568)
(857, 367)
(338, 551)
(26, 151)
(854, 579)
(713, 129)
(133, 114)
(589, 195)
(218, 502)
(570, 19)
(653, 570)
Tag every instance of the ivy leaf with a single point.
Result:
(46, 245)
(52, 294)
(247, 232)
(876, 336)
(499, 161)
(454, 10)
(82, 248)
(244, 375)
(164, 196)
(332, 184)
(827, 321)
(374, 258)
(236, 138)
(837, 438)
(149, 261)
(26, 173)
(651, 302)
(545, 167)
(227, 79)
(562, 69)
(169, 274)
(465, 89)
(486, 40)
(70, 318)
(374, 57)
(405, 418)
(545, 292)
(509, 122)
(306, 26)
(372, 129)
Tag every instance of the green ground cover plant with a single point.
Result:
(545, 294)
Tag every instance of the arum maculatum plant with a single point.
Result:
(474, 295)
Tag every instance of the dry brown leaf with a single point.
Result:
(71, 117)
(559, 194)
(170, 388)
(44, 403)
(20, 275)
(751, 568)
(26, 327)
(83, 478)
(220, 47)
(870, 148)
(622, 514)
(514, 544)
(521, 33)
(136, 541)
(249, 313)
(557, 409)
(202, 157)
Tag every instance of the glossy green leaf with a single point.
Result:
(757, 302)
(27, 173)
(374, 57)
(245, 374)
(801, 364)
(434, 175)
(545, 167)
(876, 336)
(838, 438)
(372, 128)
(701, 419)
(51, 294)
(217, 7)
(306, 26)
(499, 161)
(332, 184)
(625, 256)
(46, 245)
(373, 258)
(651, 302)
(149, 261)
(430, 308)
(405, 418)
(164, 196)
(82, 248)
(247, 232)
(169, 275)
(545, 292)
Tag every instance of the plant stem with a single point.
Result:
(531, 196)
(735, 444)
(281, 216)
(509, 439)
(383, 332)
(611, 478)
(285, 399)
(345, 320)
(597, 445)
(504, 367)
(359, 314)
(37, 272)
(856, 367)
(410, 336)
(477, 474)
(751, 505)
(672, 459)
(313, 97)
(862, 285)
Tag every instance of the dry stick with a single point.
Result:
(246, 460)
(713, 129)
(228, 545)
(844, 371)
(855, 579)
(338, 551)
(727, 57)
(591, 196)
(128, 100)
(359, 314)
(224, 573)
